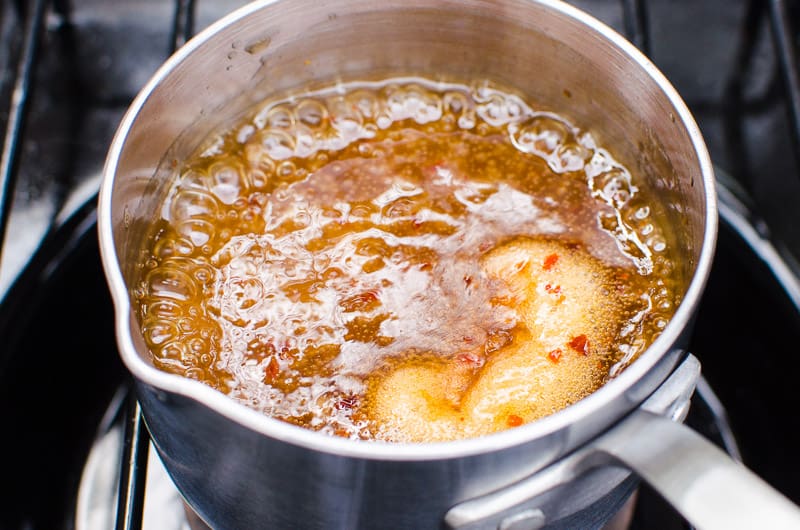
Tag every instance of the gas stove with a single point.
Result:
(69, 70)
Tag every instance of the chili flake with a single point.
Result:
(555, 355)
(514, 420)
(550, 261)
(553, 290)
(470, 359)
(346, 403)
(580, 344)
(271, 371)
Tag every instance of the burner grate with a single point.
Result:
(27, 26)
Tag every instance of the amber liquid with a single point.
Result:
(319, 243)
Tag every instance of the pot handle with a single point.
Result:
(699, 480)
(710, 489)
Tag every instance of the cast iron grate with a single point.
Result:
(21, 57)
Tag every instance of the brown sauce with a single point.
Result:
(374, 260)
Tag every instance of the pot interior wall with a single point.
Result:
(291, 47)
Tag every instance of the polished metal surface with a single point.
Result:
(703, 483)
(271, 473)
(532, 502)
(581, 476)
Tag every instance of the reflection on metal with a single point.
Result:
(735, 212)
(160, 508)
(784, 36)
(135, 448)
(720, 415)
(637, 29)
(17, 115)
(183, 24)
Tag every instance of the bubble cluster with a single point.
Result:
(327, 233)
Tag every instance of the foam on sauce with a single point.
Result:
(404, 260)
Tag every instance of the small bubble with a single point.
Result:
(540, 135)
(277, 144)
(286, 169)
(467, 120)
(302, 219)
(280, 117)
(245, 132)
(572, 157)
(171, 283)
(194, 179)
(370, 130)
(198, 345)
(384, 122)
(396, 104)
(228, 182)
(192, 204)
(613, 186)
(344, 117)
(166, 309)
(258, 179)
(658, 245)
(195, 373)
(198, 231)
(312, 113)
(365, 102)
(159, 332)
(494, 110)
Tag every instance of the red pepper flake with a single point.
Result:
(468, 280)
(365, 301)
(271, 371)
(425, 266)
(469, 359)
(553, 290)
(514, 420)
(417, 222)
(468, 339)
(346, 403)
(555, 355)
(550, 261)
(580, 344)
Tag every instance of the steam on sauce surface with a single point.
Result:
(404, 261)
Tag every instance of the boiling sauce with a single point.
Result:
(376, 257)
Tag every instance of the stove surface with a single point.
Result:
(59, 370)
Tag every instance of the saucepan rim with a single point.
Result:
(299, 436)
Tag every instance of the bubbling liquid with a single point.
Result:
(332, 256)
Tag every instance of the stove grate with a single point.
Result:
(26, 25)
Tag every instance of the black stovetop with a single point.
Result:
(58, 363)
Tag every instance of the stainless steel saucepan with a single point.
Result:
(240, 469)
